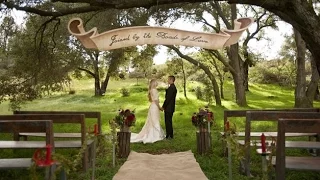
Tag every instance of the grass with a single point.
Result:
(214, 165)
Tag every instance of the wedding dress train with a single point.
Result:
(151, 131)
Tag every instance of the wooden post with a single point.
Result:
(123, 144)
(203, 142)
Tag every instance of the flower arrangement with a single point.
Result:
(125, 118)
(202, 118)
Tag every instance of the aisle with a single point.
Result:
(175, 166)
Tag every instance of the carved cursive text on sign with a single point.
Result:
(139, 35)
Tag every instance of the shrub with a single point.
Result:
(72, 91)
(199, 93)
(138, 89)
(125, 92)
(208, 94)
(122, 76)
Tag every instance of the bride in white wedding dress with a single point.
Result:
(151, 131)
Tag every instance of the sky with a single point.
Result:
(268, 49)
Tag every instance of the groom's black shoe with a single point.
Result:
(169, 137)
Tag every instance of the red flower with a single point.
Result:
(131, 117)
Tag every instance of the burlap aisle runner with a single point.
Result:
(175, 166)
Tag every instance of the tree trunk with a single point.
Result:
(301, 100)
(238, 77)
(312, 89)
(96, 75)
(205, 69)
(237, 65)
(220, 75)
(317, 94)
(246, 75)
(221, 88)
(300, 15)
(184, 81)
(105, 83)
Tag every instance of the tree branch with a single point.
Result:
(95, 5)
(64, 12)
(224, 61)
(204, 21)
(87, 71)
(221, 14)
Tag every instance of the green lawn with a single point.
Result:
(214, 166)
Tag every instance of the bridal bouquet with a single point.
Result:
(125, 118)
(202, 118)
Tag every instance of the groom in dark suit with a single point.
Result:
(169, 106)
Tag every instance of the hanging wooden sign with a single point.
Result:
(140, 35)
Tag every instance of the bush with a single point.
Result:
(72, 91)
(122, 76)
(138, 89)
(125, 92)
(280, 72)
(208, 94)
(199, 93)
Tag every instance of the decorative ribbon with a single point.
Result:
(40, 160)
(95, 130)
(140, 35)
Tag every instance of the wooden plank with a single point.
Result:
(56, 118)
(57, 135)
(15, 163)
(242, 113)
(289, 144)
(71, 144)
(87, 114)
(29, 126)
(22, 144)
(40, 144)
(273, 134)
(300, 163)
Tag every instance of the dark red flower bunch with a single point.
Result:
(202, 117)
(125, 118)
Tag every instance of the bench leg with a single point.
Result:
(85, 162)
(49, 172)
(93, 155)
(63, 175)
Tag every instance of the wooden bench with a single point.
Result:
(271, 116)
(88, 114)
(281, 161)
(242, 114)
(8, 126)
(60, 119)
